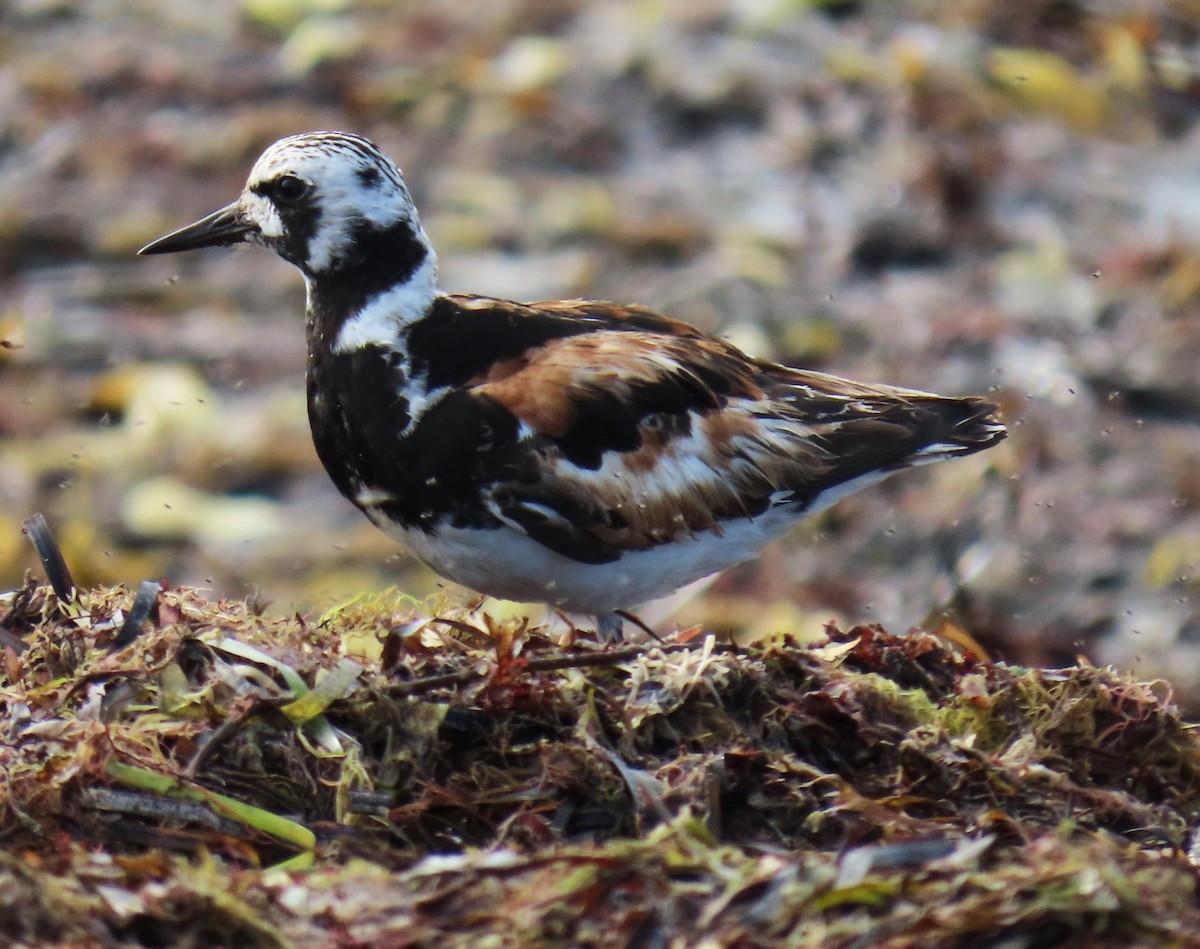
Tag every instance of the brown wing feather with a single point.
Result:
(547, 387)
(698, 434)
(621, 316)
(646, 428)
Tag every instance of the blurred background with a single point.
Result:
(970, 198)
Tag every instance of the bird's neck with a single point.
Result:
(361, 393)
(385, 282)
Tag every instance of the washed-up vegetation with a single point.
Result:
(383, 775)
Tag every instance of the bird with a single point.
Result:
(588, 455)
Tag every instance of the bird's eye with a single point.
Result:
(289, 189)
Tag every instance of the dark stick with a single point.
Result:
(547, 664)
(38, 531)
(143, 603)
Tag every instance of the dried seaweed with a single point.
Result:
(866, 790)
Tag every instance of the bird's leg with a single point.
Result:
(610, 627)
(639, 623)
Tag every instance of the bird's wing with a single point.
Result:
(640, 436)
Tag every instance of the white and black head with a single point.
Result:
(332, 204)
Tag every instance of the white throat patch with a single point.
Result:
(382, 318)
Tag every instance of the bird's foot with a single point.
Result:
(610, 627)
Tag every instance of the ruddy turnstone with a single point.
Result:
(589, 455)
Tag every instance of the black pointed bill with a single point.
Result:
(226, 226)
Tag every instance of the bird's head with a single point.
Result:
(327, 202)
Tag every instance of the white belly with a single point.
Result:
(507, 564)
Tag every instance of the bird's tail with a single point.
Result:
(956, 427)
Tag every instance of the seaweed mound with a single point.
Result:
(383, 776)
